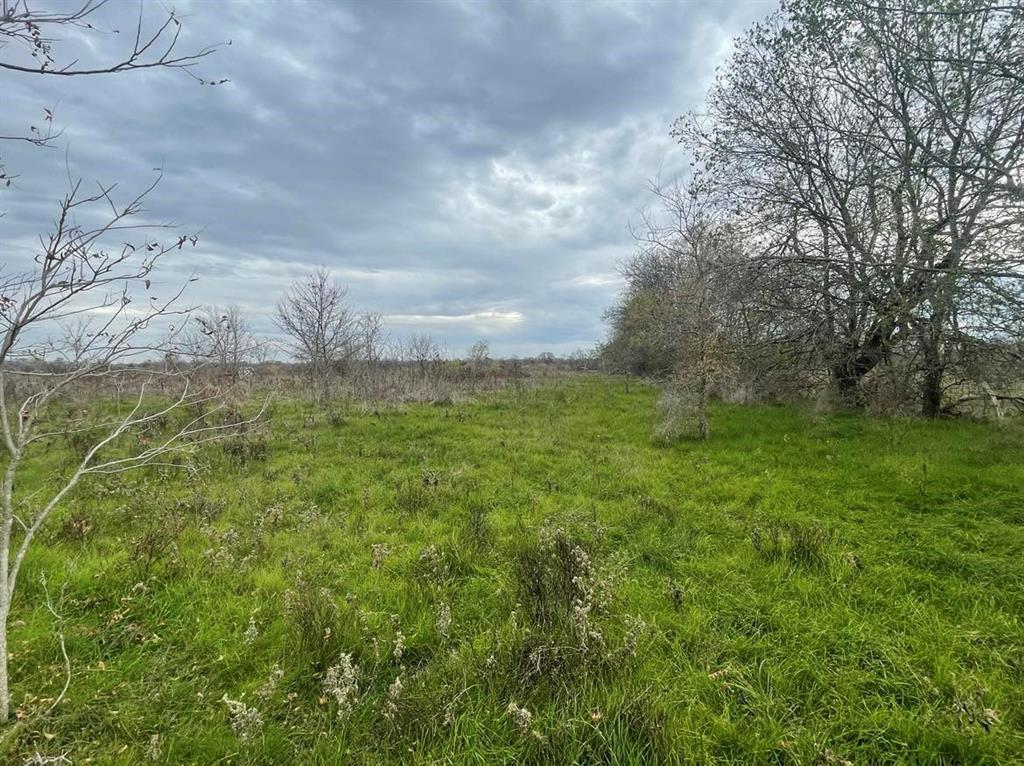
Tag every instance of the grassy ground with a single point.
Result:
(547, 586)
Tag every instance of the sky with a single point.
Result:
(469, 170)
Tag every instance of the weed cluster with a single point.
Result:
(801, 544)
(245, 449)
(567, 602)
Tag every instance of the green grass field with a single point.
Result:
(547, 585)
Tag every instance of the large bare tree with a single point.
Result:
(323, 329)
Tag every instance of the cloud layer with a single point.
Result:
(468, 169)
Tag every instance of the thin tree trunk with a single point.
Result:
(5, 695)
(702, 412)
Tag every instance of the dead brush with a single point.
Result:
(319, 630)
(546, 574)
(200, 507)
(567, 630)
(246, 449)
(676, 416)
(78, 527)
(561, 590)
(157, 543)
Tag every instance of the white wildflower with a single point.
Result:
(391, 703)
(251, 632)
(523, 718)
(155, 751)
(266, 691)
(444, 620)
(342, 683)
(246, 722)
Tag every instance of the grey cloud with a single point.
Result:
(457, 164)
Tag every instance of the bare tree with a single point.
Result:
(86, 316)
(221, 337)
(153, 47)
(686, 267)
(479, 355)
(324, 331)
(423, 351)
(372, 351)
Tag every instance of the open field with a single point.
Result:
(547, 585)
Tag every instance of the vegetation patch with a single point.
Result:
(526, 590)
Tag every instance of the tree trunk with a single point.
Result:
(702, 403)
(931, 381)
(931, 394)
(5, 695)
(702, 417)
(846, 385)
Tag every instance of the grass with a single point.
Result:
(801, 589)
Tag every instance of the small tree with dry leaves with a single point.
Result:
(83, 320)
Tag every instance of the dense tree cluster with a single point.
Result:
(866, 162)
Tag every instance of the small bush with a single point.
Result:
(676, 417)
(547, 575)
(157, 543)
(556, 581)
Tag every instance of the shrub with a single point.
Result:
(157, 542)
(676, 413)
(560, 589)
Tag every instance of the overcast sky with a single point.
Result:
(468, 169)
